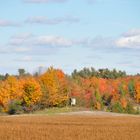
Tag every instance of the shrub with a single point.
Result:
(14, 107)
(80, 101)
(129, 109)
(99, 104)
(106, 98)
(32, 108)
(131, 88)
(137, 111)
(117, 107)
(1, 109)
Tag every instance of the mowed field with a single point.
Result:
(69, 127)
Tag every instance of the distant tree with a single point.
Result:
(93, 72)
(21, 72)
(2, 77)
(138, 74)
(36, 74)
(101, 73)
(74, 73)
(40, 70)
(6, 75)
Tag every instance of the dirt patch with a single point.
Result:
(96, 113)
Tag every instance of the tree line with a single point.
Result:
(100, 73)
(102, 89)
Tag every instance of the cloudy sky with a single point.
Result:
(69, 34)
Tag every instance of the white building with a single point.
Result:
(73, 101)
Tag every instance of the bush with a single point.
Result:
(137, 111)
(80, 102)
(32, 108)
(129, 109)
(117, 107)
(1, 109)
(14, 107)
(131, 88)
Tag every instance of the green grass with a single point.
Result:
(55, 110)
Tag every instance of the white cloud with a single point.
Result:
(45, 20)
(45, 40)
(101, 42)
(3, 49)
(32, 44)
(28, 43)
(7, 23)
(22, 35)
(21, 49)
(26, 59)
(14, 49)
(130, 39)
(21, 39)
(30, 58)
(44, 1)
(30, 40)
(53, 41)
(132, 32)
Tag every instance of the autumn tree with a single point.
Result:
(10, 89)
(31, 91)
(55, 88)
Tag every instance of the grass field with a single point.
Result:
(59, 127)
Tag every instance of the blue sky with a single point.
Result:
(69, 34)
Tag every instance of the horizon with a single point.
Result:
(69, 34)
(42, 70)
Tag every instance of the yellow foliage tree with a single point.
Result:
(31, 91)
(10, 89)
(55, 82)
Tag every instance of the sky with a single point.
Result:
(69, 34)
